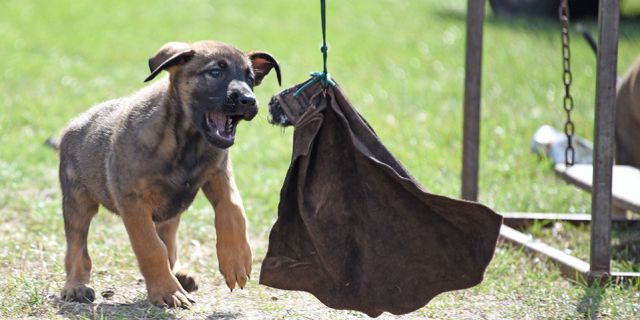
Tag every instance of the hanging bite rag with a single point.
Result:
(355, 229)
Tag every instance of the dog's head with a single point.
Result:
(213, 82)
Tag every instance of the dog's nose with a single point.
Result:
(245, 100)
(244, 103)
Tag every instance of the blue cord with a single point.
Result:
(324, 77)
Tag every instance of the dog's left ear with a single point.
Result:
(262, 62)
(170, 54)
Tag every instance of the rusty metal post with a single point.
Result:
(601, 206)
(472, 82)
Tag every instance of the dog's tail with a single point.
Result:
(588, 37)
(592, 43)
(53, 143)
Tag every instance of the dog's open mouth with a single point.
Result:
(221, 128)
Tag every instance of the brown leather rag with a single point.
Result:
(355, 229)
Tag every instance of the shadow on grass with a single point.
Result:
(138, 309)
(628, 29)
(223, 316)
(626, 247)
(589, 305)
(532, 24)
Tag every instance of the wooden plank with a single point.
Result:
(520, 220)
(614, 278)
(624, 277)
(570, 266)
(625, 186)
(546, 216)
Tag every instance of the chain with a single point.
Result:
(567, 101)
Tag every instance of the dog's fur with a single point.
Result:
(628, 117)
(145, 156)
(627, 121)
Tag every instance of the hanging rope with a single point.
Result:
(567, 102)
(324, 49)
(323, 76)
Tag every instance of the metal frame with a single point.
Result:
(608, 20)
(599, 268)
(472, 85)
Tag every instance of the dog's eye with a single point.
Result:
(250, 81)
(222, 64)
(215, 72)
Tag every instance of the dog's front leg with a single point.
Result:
(162, 286)
(232, 244)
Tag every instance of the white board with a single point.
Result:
(625, 184)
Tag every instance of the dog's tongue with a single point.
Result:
(221, 122)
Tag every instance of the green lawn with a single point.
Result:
(402, 65)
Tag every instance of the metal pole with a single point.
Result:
(472, 81)
(608, 20)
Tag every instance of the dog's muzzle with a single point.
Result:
(238, 103)
(220, 127)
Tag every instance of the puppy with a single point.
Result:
(628, 117)
(145, 156)
(627, 121)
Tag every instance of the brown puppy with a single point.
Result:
(145, 156)
(628, 118)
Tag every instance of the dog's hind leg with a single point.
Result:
(162, 286)
(167, 231)
(78, 209)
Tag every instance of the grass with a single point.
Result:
(402, 65)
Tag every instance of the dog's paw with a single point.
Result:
(78, 293)
(173, 297)
(187, 280)
(235, 263)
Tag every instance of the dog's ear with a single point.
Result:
(262, 62)
(170, 54)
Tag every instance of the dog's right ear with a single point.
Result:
(171, 54)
